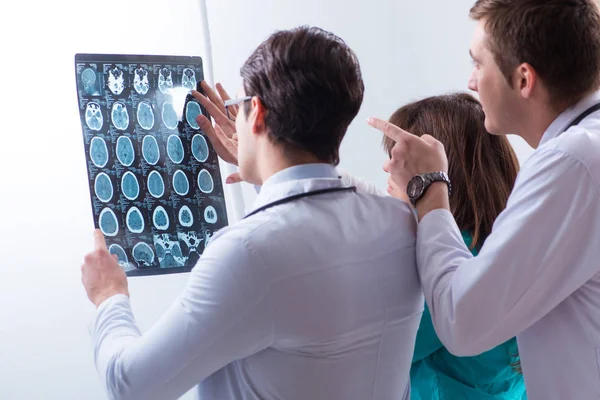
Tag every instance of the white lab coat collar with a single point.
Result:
(561, 123)
(306, 181)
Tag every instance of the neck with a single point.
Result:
(534, 128)
(277, 159)
(545, 114)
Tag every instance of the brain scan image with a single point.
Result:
(191, 240)
(160, 218)
(168, 251)
(93, 116)
(150, 150)
(207, 235)
(135, 220)
(143, 254)
(103, 187)
(156, 184)
(181, 185)
(89, 79)
(120, 116)
(188, 80)
(130, 186)
(109, 225)
(192, 110)
(205, 182)
(98, 152)
(165, 80)
(124, 150)
(186, 218)
(122, 259)
(210, 215)
(169, 116)
(145, 115)
(199, 148)
(175, 149)
(116, 81)
(140, 81)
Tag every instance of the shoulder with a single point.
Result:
(361, 184)
(580, 144)
(571, 155)
(359, 212)
(562, 172)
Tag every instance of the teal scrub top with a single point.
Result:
(436, 374)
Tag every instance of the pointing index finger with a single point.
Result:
(99, 242)
(390, 130)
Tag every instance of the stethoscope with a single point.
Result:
(584, 114)
(300, 196)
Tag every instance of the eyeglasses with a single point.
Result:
(234, 102)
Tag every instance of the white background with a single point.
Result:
(407, 50)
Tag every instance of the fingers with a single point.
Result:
(234, 178)
(99, 242)
(218, 114)
(390, 130)
(222, 92)
(225, 96)
(219, 130)
(229, 143)
(213, 96)
(217, 140)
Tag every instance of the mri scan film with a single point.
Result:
(154, 178)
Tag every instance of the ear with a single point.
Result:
(525, 80)
(257, 116)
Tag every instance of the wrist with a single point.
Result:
(102, 297)
(435, 198)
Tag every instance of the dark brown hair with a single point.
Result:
(559, 38)
(311, 85)
(482, 167)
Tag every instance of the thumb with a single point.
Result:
(234, 178)
(99, 242)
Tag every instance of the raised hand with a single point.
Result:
(222, 135)
(101, 274)
(411, 155)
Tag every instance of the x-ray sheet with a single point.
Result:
(154, 177)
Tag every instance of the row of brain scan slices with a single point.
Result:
(119, 115)
(144, 255)
(103, 186)
(141, 82)
(134, 220)
(150, 150)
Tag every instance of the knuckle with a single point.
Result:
(102, 253)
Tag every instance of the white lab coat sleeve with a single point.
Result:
(361, 184)
(539, 252)
(223, 314)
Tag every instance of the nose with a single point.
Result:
(386, 166)
(472, 82)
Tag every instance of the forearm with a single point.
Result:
(223, 314)
(113, 331)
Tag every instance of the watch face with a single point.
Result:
(415, 187)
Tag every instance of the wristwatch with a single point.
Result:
(418, 185)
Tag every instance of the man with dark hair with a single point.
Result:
(315, 294)
(537, 72)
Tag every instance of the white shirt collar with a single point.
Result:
(561, 123)
(297, 179)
